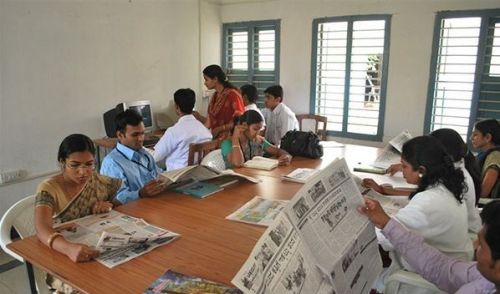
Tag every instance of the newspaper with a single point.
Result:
(391, 204)
(318, 244)
(196, 173)
(392, 152)
(117, 236)
(258, 211)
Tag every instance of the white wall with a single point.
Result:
(410, 48)
(64, 63)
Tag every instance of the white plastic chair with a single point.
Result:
(400, 281)
(21, 217)
(214, 159)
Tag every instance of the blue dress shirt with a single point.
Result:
(134, 168)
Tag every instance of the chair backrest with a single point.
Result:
(199, 150)
(214, 159)
(317, 120)
(21, 217)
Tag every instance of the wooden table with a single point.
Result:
(210, 246)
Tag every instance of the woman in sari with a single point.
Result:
(245, 142)
(225, 105)
(74, 193)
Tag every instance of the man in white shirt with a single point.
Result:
(250, 96)
(173, 146)
(279, 117)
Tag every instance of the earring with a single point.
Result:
(420, 175)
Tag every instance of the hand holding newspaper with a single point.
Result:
(318, 244)
(117, 236)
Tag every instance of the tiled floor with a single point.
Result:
(13, 280)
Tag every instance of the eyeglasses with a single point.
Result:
(85, 166)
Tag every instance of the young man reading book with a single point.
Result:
(279, 117)
(130, 162)
(173, 146)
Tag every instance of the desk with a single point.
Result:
(210, 246)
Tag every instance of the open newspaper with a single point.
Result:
(318, 244)
(391, 204)
(195, 173)
(392, 152)
(117, 236)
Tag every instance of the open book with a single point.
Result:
(117, 236)
(198, 173)
(392, 152)
(319, 243)
(259, 162)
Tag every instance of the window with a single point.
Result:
(465, 73)
(251, 54)
(349, 73)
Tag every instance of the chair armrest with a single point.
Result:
(394, 281)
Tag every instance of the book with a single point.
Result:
(259, 162)
(198, 173)
(300, 175)
(199, 189)
(174, 282)
(223, 181)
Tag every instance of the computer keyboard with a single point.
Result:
(151, 141)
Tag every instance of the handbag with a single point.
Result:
(299, 143)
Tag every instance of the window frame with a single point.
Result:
(251, 27)
(480, 63)
(383, 83)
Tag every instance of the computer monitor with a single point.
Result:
(143, 107)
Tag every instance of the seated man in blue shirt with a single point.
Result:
(130, 162)
(448, 274)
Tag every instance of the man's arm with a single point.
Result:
(445, 272)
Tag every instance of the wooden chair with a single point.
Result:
(198, 150)
(318, 119)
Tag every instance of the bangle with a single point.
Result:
(236, 146)
(52, 237)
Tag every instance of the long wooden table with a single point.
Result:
(210, 246)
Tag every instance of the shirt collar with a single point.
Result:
(186, 117)
(127, 151)
(278, 108)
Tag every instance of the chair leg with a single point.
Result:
(31, 277)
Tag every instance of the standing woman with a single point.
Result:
(74, 193)
(225, 105)
(486, 139)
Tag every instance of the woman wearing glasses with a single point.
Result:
(76, 192)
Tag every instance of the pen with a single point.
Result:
(365, 191)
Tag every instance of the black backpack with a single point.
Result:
(299, 143)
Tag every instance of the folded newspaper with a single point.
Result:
(318, 244)
(258, 211)
(117, 236)
(392, 152)
(196, 173)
